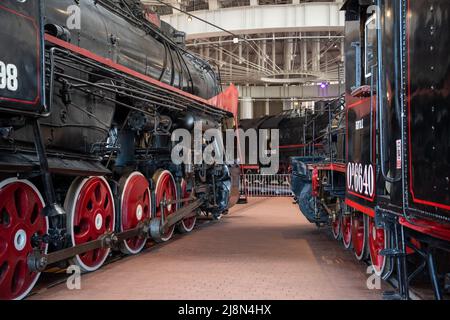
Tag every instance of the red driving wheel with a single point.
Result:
(346, 227)
(90, 207)
(188, 224)
(135, 205)
(336, 224)
(378, 240)
(165, 191)
(359, 235)
(20, 218)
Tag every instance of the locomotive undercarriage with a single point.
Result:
(111, 188)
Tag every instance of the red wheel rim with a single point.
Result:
(165, 191)
(92, 215)
(377, 242)
(358, 234)
(20, 218)
(188, 223)
(135, 207)
(336, 227)
(346, 230)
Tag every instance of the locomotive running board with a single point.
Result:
(26, 163)
(38, 262)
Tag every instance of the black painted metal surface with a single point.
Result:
(110, 35)
(428, 104)
(21, 63)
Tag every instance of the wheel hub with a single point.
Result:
(139, 212)
(20, 240)
(98, 221)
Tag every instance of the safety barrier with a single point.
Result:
(260, 185)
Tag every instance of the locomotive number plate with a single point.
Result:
(20, 56)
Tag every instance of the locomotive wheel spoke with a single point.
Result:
(20, 218)
(135, 206)
(359, 235)
(378, 240)
(165, 191)
(90, 207)
(188, 224)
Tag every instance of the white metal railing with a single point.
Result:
(259, 185)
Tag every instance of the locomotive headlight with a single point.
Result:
(189, 19)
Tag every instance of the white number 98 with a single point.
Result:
(8, 77)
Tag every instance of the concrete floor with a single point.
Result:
(262, 250)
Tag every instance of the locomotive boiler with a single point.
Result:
(388, 198)
(90, 94)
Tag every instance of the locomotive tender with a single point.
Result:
(389, 197)
(86, 119)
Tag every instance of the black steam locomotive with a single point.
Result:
(90, 94)
(388, 197)
(301, 132)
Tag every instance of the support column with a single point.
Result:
(287, 105)
(246, 109)
(217, 53)
(213, 4)
(267, 107)
(231, 61)
(264, 49)
(241, 59)
(220, 53)
(254, 2)
(288, 52)
(247, 67)
(304, 55)
(274, 52)
(316, 55)
(207, 52)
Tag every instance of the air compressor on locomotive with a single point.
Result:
(86, 117)
(389, 196)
